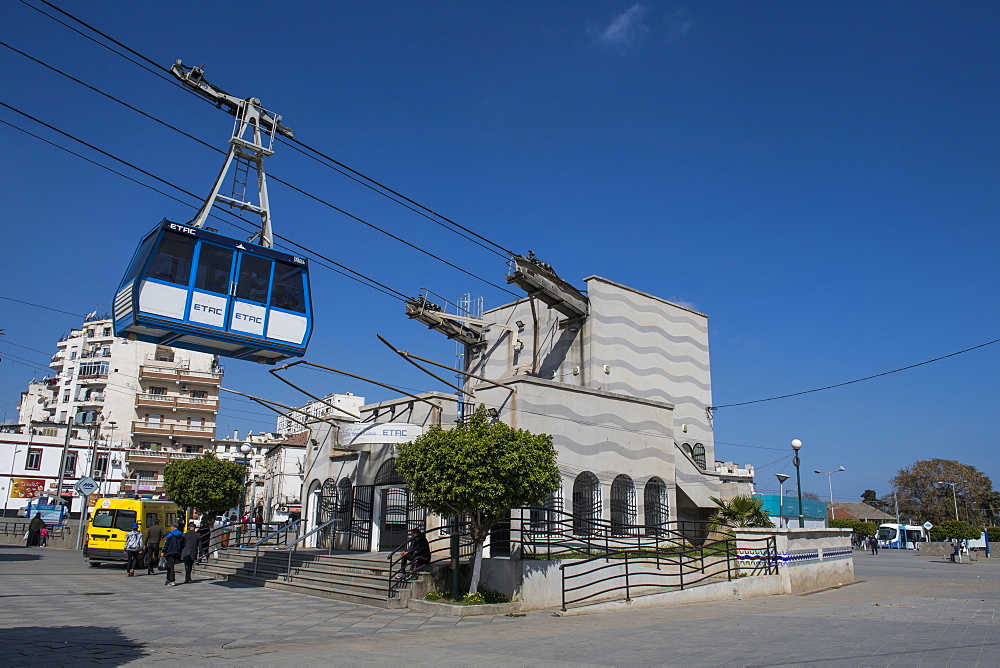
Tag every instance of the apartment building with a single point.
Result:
(154, 402)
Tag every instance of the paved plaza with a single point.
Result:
(906, 610)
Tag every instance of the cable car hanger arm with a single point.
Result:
(194, 78)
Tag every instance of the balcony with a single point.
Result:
(168, 429)
(97, 398)
(180, 375)
(175, 402)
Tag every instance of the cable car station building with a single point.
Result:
(620, 379)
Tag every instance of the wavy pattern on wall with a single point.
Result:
(655, 394)
(631, 454)
(649, 306)
(649, 350)
(658, 373)
(699, 343)
(648, 428)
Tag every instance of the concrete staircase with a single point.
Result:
(351, 577)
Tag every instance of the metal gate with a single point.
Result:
(399, 515)
(361, 518)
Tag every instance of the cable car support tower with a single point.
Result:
(252, 141)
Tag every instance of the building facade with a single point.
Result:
(156, 403)
(623, 386)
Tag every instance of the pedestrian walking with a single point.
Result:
(44, 534)
(189, 552)
(133, 550)
(173, 545)
(154, 536)
(205, 531)
(873, 544)
(35, 531)
(258, 520)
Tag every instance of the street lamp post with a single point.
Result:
(796, 446)
(782, 524)
(246, 448)
(954, 496)
(829, 479)
(107, 463)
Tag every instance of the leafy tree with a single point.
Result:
(993, 534)
(871, 498)
(481, 469)
(952, 530)
(921, 498)
(207, 483)
(857, 526)
(812, 496)
(740, 511)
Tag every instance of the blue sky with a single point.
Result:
(819, 178)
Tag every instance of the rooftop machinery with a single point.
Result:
(193, 288)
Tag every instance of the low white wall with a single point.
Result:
(749, 587)
(808, 559)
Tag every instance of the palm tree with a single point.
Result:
(740, 511)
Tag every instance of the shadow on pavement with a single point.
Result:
(57, 645)
(22, 553)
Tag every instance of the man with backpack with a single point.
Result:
(173, 544)
(133, 549)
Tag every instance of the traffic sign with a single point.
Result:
(928, 526)
(86, 486)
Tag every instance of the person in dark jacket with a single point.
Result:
(35, 531)
(189, 553)
(133, 549)
(418, 552)
(173, 545)
(154, 536)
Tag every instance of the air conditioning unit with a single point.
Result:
(116, 462)
(184, 388)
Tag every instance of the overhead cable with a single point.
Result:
(858, 380)
(165, 73)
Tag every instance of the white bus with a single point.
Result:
(900, 536)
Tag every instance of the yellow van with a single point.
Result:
(112, 518)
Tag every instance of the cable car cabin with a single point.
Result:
(194, 289)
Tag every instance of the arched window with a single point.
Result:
(622, 505)
(586, 504)
(698, 455)
(388, 475)
(655, 505)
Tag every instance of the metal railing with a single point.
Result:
(293, 546)
(440, 545)
(546, 533)
(12, 528)
(653, 570)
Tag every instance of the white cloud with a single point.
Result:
(678, 24)
(626, 29)
(683, 302)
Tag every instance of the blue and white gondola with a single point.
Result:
(195, 289)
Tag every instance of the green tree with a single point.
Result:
(952, 530)
(857, 526)
(207, 483)
(481, 469)
(922, 497)
(740, 511)
(993, 534)
(871, 498)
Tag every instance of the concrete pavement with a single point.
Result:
(907, 611)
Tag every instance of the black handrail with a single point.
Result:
(704, 562)
(292, 547)
(397, 577)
